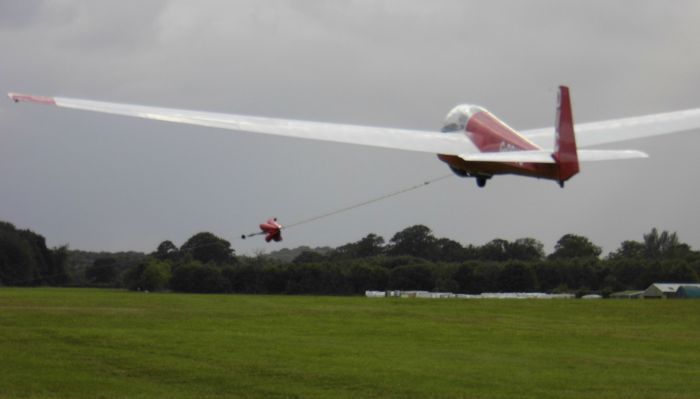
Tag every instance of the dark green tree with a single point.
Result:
(527, 249)
(449, 250)
(192, 276)
(444, 277)
(363, 277)
(167, 251)
(206, 247)
(464, 277)
(415, 241)
(664, 245)
(677, 271)
(572, 246)
(410, 277)
(25, 259)
(152, 275)
(309, 257)
(371, 245)
(495, 250)
(102, 271)
(629, 250)
(59, 257)
(485, 278)
(17, 261)
(517, 277)
(629, 273)
(549, 275)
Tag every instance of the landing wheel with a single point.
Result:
(480, 181)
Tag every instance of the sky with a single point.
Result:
(102, 182)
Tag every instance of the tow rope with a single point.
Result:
(350, 207)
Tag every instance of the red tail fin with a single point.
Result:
(565, 146)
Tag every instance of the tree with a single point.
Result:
(192, 276)
(410, 277)
(629, 272)
(416, 241)
(59, 257)
(316, 279)
(166, 251)
(665, 245)
(549, 275)
(464, 277)
(155, 276)
(521, 249)
(151, 275)
(17, 263)
(572, 246)
(183, 277)
(309, 257)
(365, 277)
(495, 250)
(206, 247)
(583, 273)
(678, 271)
(449, 250)
(485, 278)
(371, 245)
(628, 250)
(25, 259)
(102, 271)
(527, 249)
(517, 277)
(444, 277)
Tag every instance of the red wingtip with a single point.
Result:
(28, 98)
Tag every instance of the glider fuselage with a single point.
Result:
(496, 142)
(490, 134)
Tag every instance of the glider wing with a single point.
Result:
(611, 131)
(410, 140)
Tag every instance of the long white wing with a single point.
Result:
(611, 131)
(411, 140)
(587, 134)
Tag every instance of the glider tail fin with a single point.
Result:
(565, 154)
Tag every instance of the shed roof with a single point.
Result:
(626, 294)
(671, 288)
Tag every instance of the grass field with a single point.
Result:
(81, 343)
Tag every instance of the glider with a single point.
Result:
(473, 142)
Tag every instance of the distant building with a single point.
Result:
(663, 290)
(627, 295)
(688, 292)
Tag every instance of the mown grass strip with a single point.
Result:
(81, 343)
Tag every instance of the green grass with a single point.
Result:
(80, 343)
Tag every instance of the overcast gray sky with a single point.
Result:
(100, 182)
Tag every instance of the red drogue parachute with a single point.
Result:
(272, 229)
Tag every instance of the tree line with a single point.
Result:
(413, 259)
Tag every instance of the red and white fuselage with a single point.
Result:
(491, 135)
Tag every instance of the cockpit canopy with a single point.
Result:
(457, 119)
